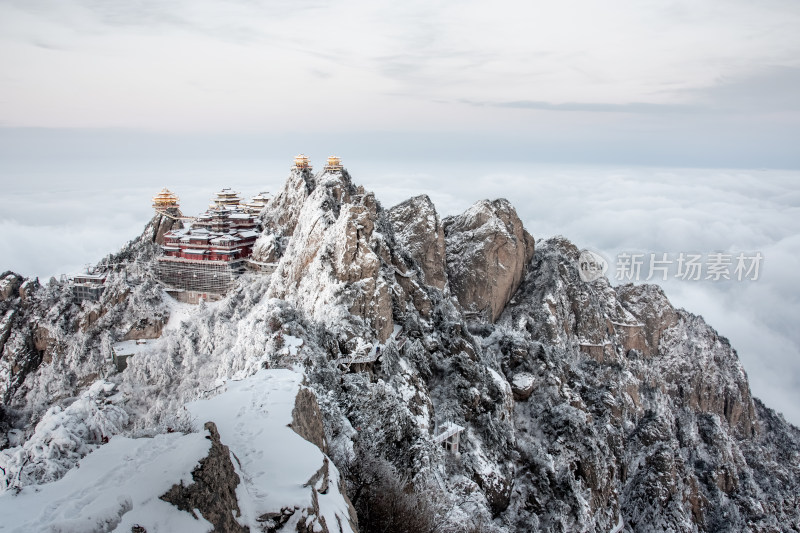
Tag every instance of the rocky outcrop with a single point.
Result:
(9, 285)
(28, 289)
(419, 230)
(658, 425)
(280, 216)
(148, 244)
(522, 385)
(307, 419)
(488, 250)
(161, 224)
(649, 306)
(267, 248)
(213, 492)
(356, 263)
(336, 263)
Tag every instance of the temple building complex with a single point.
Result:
(203, 259)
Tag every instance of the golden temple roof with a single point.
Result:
(334, 163)
(301, 161)
(165, 199)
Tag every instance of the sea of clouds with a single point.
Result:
(59, 216)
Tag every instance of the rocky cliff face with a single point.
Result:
(488, 251)
(146, 245)
(583, 404)
(419, 230)
(281, 214)
(655, 426)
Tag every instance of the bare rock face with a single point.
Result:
(307, 419)
(488, 250)
(147, 245)
(357, 264)
(160, 224)
(649, 305)
(281, 214)
(9, 285)
(418, 228)
(28, 289)
(43, 339)
(267, 248)
(653, 406)
(213, 492)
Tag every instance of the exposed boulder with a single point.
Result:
(267, 248)
(488, 250)
(522, 385)
(418, 228)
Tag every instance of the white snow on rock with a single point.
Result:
(291, 344)
(275, 463)
(523, 381)
(114, 488)
(118, 484)
(61, 438)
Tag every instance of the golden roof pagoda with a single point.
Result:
(301, 162)
(165, 199)
(224, 199)
(334, 163)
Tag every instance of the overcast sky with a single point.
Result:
(102, 102)
(662, 82)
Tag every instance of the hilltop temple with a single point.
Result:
(202, 260)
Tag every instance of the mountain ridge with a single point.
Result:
(581, 403)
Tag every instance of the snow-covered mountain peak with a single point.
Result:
(451, 375)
